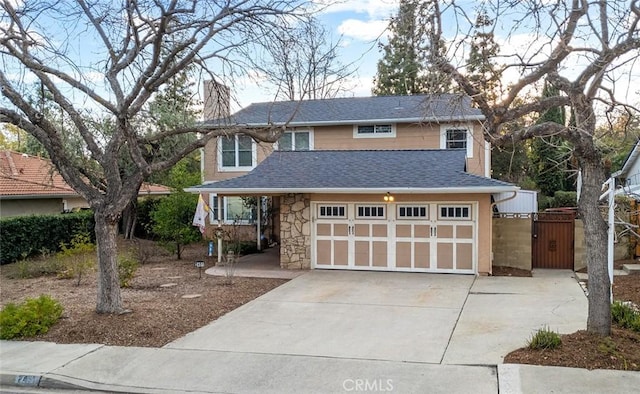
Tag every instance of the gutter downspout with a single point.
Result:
(493, 204)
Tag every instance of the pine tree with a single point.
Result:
(483, 72)
(404, 68)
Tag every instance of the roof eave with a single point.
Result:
(633, 155)
(432, 119)
(403, 190)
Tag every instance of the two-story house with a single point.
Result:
(376, 183)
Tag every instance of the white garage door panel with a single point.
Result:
(428, 237)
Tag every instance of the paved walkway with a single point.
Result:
(329, 331)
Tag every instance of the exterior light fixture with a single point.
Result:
(388, 197)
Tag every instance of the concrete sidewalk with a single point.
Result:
(332, 331)
(153, 370)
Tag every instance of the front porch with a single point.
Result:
(258, 265)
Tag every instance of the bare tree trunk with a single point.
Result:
(109, 297)
(595, 234)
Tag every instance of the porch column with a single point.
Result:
(220, 229)
(259, 221)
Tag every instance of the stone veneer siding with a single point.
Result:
(295, 231)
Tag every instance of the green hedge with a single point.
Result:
(25, 236)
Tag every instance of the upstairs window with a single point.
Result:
(459, 137)
(237, 153)
(374, 131)
(296, 140)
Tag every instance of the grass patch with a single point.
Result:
(545, 339)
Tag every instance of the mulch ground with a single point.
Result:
(159, 314)
(583, 350)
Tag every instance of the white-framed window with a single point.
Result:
(413, 211)
(332, 211)
(454, 212)
(295, 140)
(374, 131)
(236, 153)
(457, 137)
(233, 211)
(370, 211)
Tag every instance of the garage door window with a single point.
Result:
(332, 211)
(413, 212)
(370, 211)
(460, 212)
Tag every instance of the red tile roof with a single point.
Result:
(32, 176)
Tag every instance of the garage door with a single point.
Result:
(420, 237)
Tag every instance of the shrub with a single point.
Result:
(77, 259)
(127, 267)
(241, 248)
(625, 316)
(32, 317)
(544, 338)
(565, 199)
(25, 236)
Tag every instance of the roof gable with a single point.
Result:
(354, 110)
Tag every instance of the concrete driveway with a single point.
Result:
(427, 318)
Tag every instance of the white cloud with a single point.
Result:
(375, 9)
(363, 30)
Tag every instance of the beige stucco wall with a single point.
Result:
(30, 207)
(484, 214)
(408, 136)
(210, 163)
(512, 242)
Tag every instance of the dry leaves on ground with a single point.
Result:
(160, 314)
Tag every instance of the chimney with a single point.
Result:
(216, 100)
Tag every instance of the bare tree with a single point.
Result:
(304, 64)
(128, 51)
(583, 48)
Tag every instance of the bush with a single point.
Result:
(625, 316)
(565, 199)
(77, 259)
(544, 202)
(144, 212)
(32, 317)
(127, 267)
(241, 248)
(544, 339)
(25, 236)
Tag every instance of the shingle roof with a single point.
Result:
(418, 108)
(22, 175)
(393, 170)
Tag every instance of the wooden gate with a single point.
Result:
(553, 237)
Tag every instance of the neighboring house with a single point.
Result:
(377, 183)
(629, 175)
(31, 185)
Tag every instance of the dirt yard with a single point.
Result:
(159, 314)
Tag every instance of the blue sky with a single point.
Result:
(359, 23)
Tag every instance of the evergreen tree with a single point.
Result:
(404, 68)
(481, 68)
(549, 155)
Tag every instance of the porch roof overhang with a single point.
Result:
(359, 172)
(212, 188)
